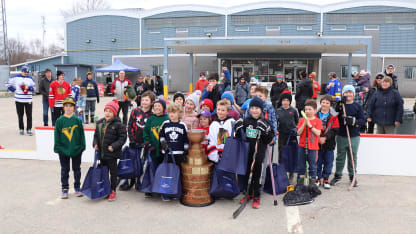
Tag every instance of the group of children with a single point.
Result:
(149, 127)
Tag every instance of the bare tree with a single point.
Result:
(82, 6)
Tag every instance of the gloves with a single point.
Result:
(349, 121)
(133, 145)
(238, 125)
(98, 100)
(344, 99)
(293, 132)
(165, 146)
(148, 145)
(213, 157)
(263, 127)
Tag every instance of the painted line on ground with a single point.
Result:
(294, 224)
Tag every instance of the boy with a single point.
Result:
(353, 121)
(69, 144)
(213, 90)
(330, 126)
(81, 103)
(309, 130)
(92, 95)
(109, 137)
(258, 132)
(137, 121)
(179, 98)
(219, 130)
(173, 136)
(286, 119)
(58, 91)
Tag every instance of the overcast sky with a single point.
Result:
(24, 16)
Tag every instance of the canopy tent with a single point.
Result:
(116, 66)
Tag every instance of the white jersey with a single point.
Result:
(219, 130)
(17, 83)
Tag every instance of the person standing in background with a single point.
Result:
(118, 88)
(201, 83)
(44, 90)
(92, 95)
(158, 86)
(58, 91)
(334, 87)
(316, 87)
(390, 72)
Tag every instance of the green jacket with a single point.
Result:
(151, 132)
(69, 136)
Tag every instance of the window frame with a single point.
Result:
(240, 29)
(346, 68)
(269, 29)
(339, 29)
(413, 73)
(304, 27)
(184, 30)
(367, 27)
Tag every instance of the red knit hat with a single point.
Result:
(113, 106)
(207, 102)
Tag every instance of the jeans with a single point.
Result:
(65, 167)
(45, 104)
(343, 151)
(325, 163)
(90, 107)
(124, 106)
(312, 158)
(21, 107)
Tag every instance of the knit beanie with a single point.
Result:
(163, 103)
(348, 88)
(286, 96)
(193, 98)
(178, 94)
(207, 102)
(229, 96)
(113, 106)
(256, 101)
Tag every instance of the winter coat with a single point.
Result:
(159, 86)
(44, 88)
(191, 120)
(286, 119)
(386, 107)
(214, 95)
(201, 84)
(242, 93)
(370, 94)
(304, 91)
(330, 130)
(394, 78)
(276, 91)
(355, 110)
(108, 133)
(92, 90)
(364, 81)
(117, 88)
(147, 86)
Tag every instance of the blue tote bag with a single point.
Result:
(280, 179)
(168, 178)
(129, 165)
(235, 154)
(223, 184)
(289, 157)
(96, 183)
(147, 178)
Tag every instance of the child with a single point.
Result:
(219, 130)
(69, 144)
(75, 89)
(286, 120)
(58, 91)
(189, 116)
(179, 98)
(330, 125)
(353, 121)
(204, 122)
(258, 132)
(81, 103)
(213, 90)
(309, 130)
(246, 104)
(109, 137)
(207, 105)
(137, 121)
(173, 137)
(228, 96)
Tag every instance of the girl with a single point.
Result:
(190, 116)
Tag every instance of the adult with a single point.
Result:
(108, 81)
(58, 91)
(92, 95)
(44, 90)
(139, 87)
(149, 84)
(316, 87)
(334, 87)
(226, 78)
(362, 85)
(390, 72)
(277, 88)
(304, 91)
(23, 85)
(201, 83)
(242, 91)
(386, 107)
(118, 88)
(159, 86)
(375, 86)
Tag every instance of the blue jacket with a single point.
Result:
(335, 89)
(386, 107)
(92, 89)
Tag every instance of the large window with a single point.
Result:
(157, 70)
(410, 73)
(344, 71)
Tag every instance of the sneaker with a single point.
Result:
(78, 193)
(22, 132)
(335, 180)
(318, 182)
(112, 196)
(355, 183)
(148, 195)
(165, 198)
(326, 184)
(29, 132)
(64, 194)
(256, 202)
(249, 198)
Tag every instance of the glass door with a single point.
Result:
(292, 75)
(239, 69)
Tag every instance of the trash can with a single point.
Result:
(409, 123)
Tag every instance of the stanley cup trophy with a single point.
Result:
(196, 173)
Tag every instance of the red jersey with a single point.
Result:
(204, 143)
(58, 92)
(316, 87)
(313, 140)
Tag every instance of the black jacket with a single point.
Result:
(386, 107)
(370, 94)
(331, 128)
(44, 88)
(150, 86)
(275, 92)
(159, 86)
(115, 135)
(304, 91)
(287, 119)
(394, 78)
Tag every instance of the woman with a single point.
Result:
(277, 88)
(386, 108)
(149, 84)
(374, 87)
(242, 91)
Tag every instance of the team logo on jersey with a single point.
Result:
(90, 86)
(222, 136)
(251, 133)
(69, 131)
(173, 136)
(61, 90)
(155, 131)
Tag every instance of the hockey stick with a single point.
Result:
(243, 205)
(354, 178)
(306, 180)
(271, 174)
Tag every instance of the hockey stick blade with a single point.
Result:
(240, 209)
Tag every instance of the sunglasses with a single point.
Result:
(379, 78)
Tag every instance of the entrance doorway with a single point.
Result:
(239, 69)
(292, 74)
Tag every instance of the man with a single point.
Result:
(24, 85)
(44, 90)
(304, 91)
(58, 91)
(92, 95)
(118, 88)
(334, 87)
(389, 72)
(277, 88)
